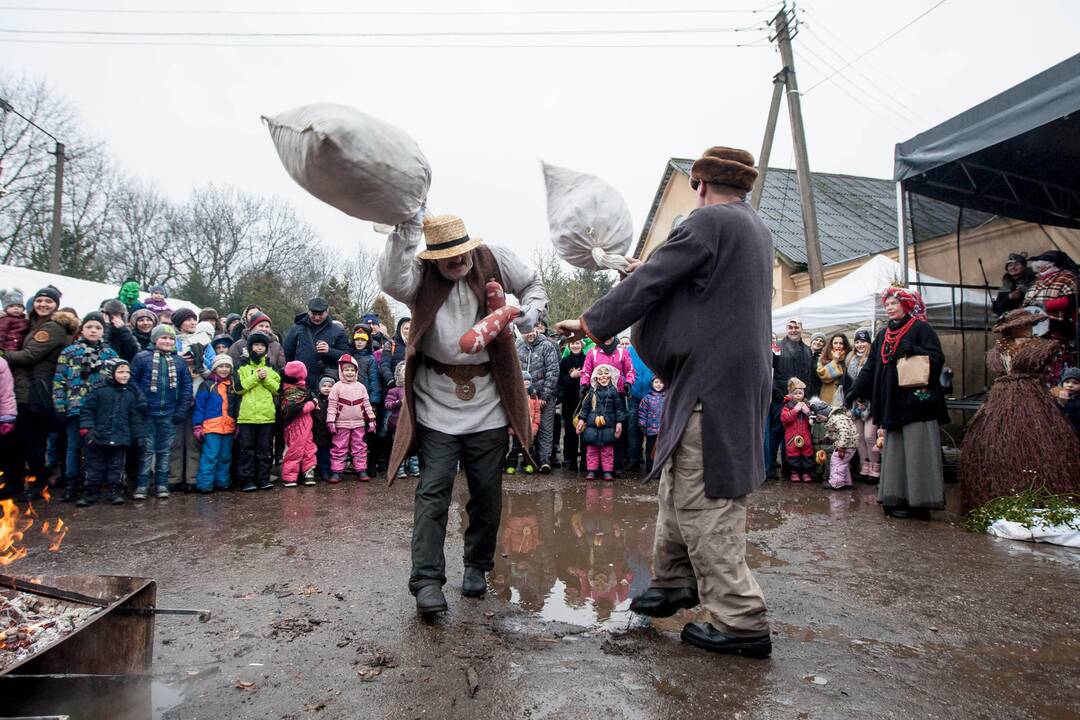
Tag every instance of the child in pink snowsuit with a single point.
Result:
(348, 417)
(840, 429)
(297, 404)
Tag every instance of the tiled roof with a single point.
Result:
(856, 215)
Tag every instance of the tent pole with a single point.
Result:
(901, 257)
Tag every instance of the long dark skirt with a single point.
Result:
(911, 467)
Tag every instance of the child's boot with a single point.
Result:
(795, 477)
(591, 475)
(362, 476)
(335, 478)
(309, 477)
(864, 468)
(401, 471)
(608, 477)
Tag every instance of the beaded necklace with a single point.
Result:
(892, 340)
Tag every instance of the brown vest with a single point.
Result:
(505, 366)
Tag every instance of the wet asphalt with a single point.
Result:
(872, 617)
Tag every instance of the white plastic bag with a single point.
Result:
(590, 223)
(360, 164)
(1063, 534)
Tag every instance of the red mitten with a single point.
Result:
(198, 432)
(483, 333)
(83, 432)
(5, 428)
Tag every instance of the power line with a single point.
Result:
(881, 42)
(387, 13)
(817, 25)
(761, 42)
(419, 33)
(887, 96)
(856, 98)
(886, 101)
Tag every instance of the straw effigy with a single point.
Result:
(1019, 439)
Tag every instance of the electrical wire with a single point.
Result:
(886, 95)
(419, 33)
(386, 13)
(761, 42)
(879, 43)
(802, 58)
(886, 102)
(816, 25)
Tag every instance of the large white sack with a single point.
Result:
(1065, 534)
(590, 223)
(360, 164)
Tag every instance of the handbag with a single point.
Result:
(913, 371)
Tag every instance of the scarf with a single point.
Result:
(155, 364)
(609, 347)
(855, 363)
(91, 359)
(910, 300)
(1053, 283)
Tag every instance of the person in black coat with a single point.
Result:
(1015, 283)
(110, 422)
(394, 352)
(911, 474)
(118, 335)
(569, 382)
(317, 341)
(600, 421)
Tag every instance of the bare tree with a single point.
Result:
(141, 246)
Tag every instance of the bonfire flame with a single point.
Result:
(15, 522)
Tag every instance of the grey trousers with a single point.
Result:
(545, 435)
(481, 455)
(701, 541)
(184, 461)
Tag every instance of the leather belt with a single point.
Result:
(461, 375)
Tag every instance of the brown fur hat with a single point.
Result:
(725, 166)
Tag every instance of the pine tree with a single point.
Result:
(386, 317)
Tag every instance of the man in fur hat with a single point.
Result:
(702, 304)
(457, 406)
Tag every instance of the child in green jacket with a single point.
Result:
(257, 383)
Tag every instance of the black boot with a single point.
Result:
(430, 600)
(664, 602)
(475, 584)
(706, 637)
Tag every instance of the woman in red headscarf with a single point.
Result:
(911, 480)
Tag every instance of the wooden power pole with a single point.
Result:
(802, 160)
(766, 144)
(58, 199)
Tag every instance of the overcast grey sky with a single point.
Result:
(181, 115)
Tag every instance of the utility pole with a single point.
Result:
(766, 143)
(58, 188)
(58, 199)
(802, 160)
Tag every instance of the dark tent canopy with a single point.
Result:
(1015, 155)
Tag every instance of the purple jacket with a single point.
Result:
(8, 409)
(392, 403)
(649, 412)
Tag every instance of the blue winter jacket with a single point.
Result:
(369, 374)
(165, 401)
(643, 376)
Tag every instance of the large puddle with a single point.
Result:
(579, 555)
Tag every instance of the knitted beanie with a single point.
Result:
(49, 291)
(14, 296)
(161, 330)
(1072, 373)
(94, 316)
(219, 360)
(179, 317)
(326, 380)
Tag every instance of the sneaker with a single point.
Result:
(529, 469)
(248, 487)
(545, 469)
(139, 494)
(509, 471)
(401, 473)
(309, 477)
(117, 500)
(163, 493)
(335, 478)
(289, 483)
(84, 502)
(266, 485)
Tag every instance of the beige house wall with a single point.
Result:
(678, 200)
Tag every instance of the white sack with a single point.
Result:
(1056, 534)
(590, 223)
(361, 165)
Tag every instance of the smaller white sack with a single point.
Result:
(1055, 534)
(590, 223)
(360, 164)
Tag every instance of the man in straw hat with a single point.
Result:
(702, 301)
(458, 406)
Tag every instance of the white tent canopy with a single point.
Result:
(855, 300)
(83, 295)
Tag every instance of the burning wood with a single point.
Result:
(14, 524)
(29, 622)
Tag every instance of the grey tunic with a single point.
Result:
(704, 302)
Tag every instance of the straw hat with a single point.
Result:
(445, 237)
